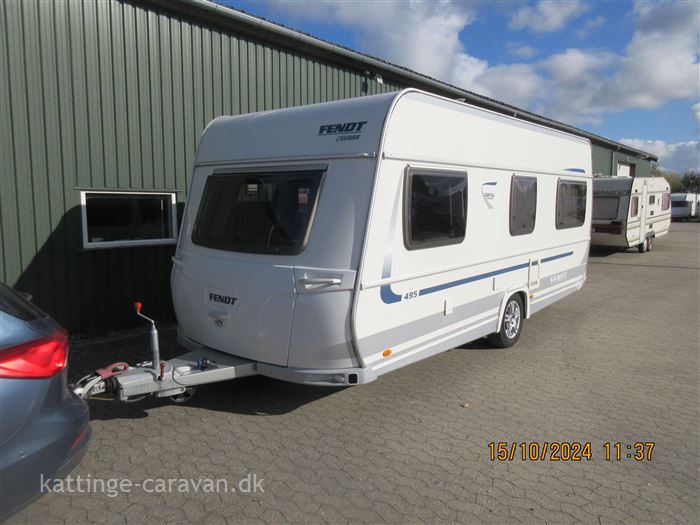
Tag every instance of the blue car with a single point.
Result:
(44, 427)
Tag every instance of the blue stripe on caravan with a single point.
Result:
(575, 170)
(389, 297)
(555, 257)
(459, 282)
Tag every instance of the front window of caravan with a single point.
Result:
(268, 212)
(605, 208)
(571, 204)
(679, 204)
(435, 209)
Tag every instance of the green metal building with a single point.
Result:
(102, 104)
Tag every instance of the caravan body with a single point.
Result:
(333, 243)
(630, 211)
(684, 205)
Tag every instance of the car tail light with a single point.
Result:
(38, 359)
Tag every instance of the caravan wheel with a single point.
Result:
(511, 324)
(643, 247)
(650, 242)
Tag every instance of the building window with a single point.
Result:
(120, 219)
(523, 205)
(571, 204)
(269, 212)
(665, 201)
(435, 208)
(634, 206)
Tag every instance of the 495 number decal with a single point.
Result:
(410, 295)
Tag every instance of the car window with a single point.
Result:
(14, 304)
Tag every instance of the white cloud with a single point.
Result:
(521, 50)
(679, 157)
(579, 86)
(516, 84)
(660, 63)
(696, 115)
(547, 16)
(590, 26)
(421, 35)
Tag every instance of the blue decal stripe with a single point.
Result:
(459, 282)
(555, 257)
(388, 296)
(575, 170)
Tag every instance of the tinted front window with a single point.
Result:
(571, 204)
(523, 205)
(605, 208)
(436, 209)
(679, 204)
(257, 212)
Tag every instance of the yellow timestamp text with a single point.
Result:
(568, 451)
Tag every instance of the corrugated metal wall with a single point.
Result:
(110, 95)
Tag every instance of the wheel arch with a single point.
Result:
(521, 291)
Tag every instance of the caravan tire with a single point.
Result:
(643, 247)
(511, 324)
(650, 242)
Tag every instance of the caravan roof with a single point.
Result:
(372, 125)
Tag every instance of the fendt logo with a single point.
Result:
(345, 131)
(223, 299)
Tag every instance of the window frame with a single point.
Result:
(96, 245)
(510, 207)
(561, 181)
(665, 199)
(265, 170)
(634, 198)
(407, 185)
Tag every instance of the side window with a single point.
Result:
(571, 204)
(652, 199)
(665, 201)
(634, 206)
(435, 208)
(523, 205)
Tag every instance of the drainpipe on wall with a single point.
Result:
(612, 162)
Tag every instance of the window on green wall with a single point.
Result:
(123, 219)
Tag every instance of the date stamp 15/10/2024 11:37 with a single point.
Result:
(569, 451)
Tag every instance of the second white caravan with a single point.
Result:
(684, 206)
(630, 211)
(332, 243)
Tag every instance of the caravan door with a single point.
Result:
(643, 212)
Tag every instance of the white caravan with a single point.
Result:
(684, 206)
(330, 244)
(630, 211)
